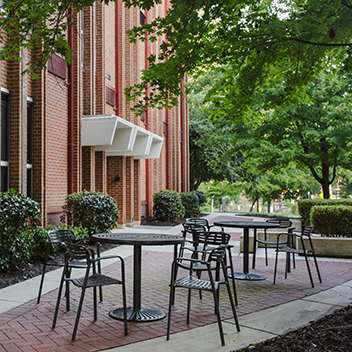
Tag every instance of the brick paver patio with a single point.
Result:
(28, 328)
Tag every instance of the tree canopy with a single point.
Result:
(314, 133)
(247, 38)
(254, 42)
(210, 141)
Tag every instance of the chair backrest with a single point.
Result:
(214, 238)
(198, 221)
(307, 230)
(194, 229)
(282, 223)
(61, 235)
(77, 251)
(217, 254)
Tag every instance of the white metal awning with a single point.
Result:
(117, 136)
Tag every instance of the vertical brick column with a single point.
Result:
(100, 90)
(39, 142)
(100, 172)
(88, 168)
(116, 166)
(77, 108)
(129, 210)
(14, 77)
(89, 69)
(137, 191)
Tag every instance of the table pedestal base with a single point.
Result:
(248, 276)
(145, 314)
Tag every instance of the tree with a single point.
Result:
(288, 182)
(314, 133)
(250, 40)
(41, 26)
(247, 38)
(210, 141)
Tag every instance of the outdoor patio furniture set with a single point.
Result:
(205, 252)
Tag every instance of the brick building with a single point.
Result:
(72, 129)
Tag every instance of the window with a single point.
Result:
(5, 141)
(30, 149)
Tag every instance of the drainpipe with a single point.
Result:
(167, 132)
(182, 141)
(70, 108)
(146, 119)
(117, 57)
(23, 123)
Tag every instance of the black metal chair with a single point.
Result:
(200, 221)
(291, 248)
(56, 238)
(211, 240)
(79, 252)
(282, 224)
(191, 282)
(194, 230)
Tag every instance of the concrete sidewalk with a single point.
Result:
(255, 327)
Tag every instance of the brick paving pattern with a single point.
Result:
(28, 328)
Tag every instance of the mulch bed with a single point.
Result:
(331, 333)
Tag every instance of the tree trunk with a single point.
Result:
(255, 200)
(325, 184)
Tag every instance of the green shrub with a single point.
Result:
(18, 214)
(332, 220)
(305, 206)
(94, 211)
(167, 206)
(190, 201)
(202, 197)
(40, 238)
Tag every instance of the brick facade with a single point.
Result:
(104, 64)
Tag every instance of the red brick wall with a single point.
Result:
(139, 179)
(56, 135)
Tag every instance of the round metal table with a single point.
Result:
(246, 225)
(137, 240)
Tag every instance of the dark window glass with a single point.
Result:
(30, 149)
(5, 128)
(5, 142)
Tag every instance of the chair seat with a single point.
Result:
(195, 283)
(96, 280)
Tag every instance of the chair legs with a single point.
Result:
(215, 292)
(289, 250)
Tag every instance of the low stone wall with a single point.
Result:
(333, 247)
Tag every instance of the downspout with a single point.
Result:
(182, 141)
(23, 123)
(167, 132)
(117, 57)
(147, 180)
(70, 107)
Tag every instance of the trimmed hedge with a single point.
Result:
(18, 215)
(94, 211)
(305, 206)
(332, 220)
(202, 197)
(190, 201)
(168, 206)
